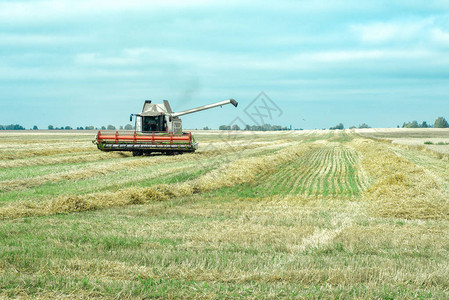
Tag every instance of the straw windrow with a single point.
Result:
(236, 172)
(401, 189)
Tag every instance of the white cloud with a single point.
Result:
(62, 73)
(385, 32)
(367, 55)
(50, 10)
(40, 39)
(211, 62)
(95, 59)
(429, 33)
(440, 36)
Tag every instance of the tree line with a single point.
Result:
(109, 127)
(12, 127)
(51, 127)
(264, 127)
(440, 122)
(340, 126)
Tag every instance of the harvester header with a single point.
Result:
(157, 129)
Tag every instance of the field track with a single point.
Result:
(329, 169)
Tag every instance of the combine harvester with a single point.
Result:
(158, 129)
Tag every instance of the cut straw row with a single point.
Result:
(401, 188)
(237, 172)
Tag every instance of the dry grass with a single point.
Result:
(401, 188)
(427, 160)
(28, 153)
(66, 159)
(208, 246)
(413, 138)
(237, 172)
(106, 167)
(263, 219)
(87, 171)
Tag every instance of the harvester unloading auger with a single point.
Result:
(158, 129)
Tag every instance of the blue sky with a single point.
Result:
(84, 63)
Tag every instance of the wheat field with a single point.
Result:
(297, 214)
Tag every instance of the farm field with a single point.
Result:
(435, 139)
(297, 214)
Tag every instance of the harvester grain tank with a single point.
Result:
(158, 129)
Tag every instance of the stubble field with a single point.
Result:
(298, 214)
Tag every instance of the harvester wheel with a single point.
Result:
(137, 153)
(173, 153)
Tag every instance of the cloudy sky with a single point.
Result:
(84, 63)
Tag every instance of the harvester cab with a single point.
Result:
(157, 129)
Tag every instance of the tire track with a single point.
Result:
(330, 170)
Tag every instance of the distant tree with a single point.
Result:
(128, 127)
(352, 127)
(339, 126)
(90, 127)
(441, 122)
(364, 125)
(13, 127)
(68, 128)
(205, 128)
(424, 125)
(35, 127)
(50, 127)
(103, 128)
(256, 128)
(264, 127)
(79, 128)
(121, 127)
(224, 127)
(2, 127)
(413, 124)
(111, 127)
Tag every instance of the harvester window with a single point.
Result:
(154, 123)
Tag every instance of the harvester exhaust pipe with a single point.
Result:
(193, 110)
